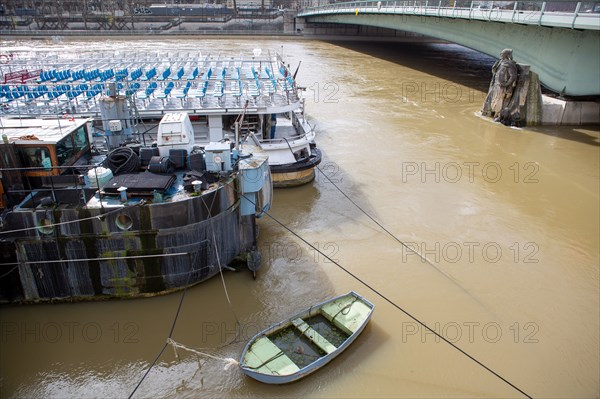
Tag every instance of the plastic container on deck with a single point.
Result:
(99, 176)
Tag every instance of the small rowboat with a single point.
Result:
(304, 343)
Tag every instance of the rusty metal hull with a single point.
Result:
(168, 246)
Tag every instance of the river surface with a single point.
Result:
(509, 219)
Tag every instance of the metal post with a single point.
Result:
(575, 15)
(237, 135)
(542, 13)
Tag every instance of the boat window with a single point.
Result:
(64, 150)
(80, 139)
(35, 157)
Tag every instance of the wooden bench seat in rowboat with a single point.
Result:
(314, 336)
(347, 314)
(266, 357)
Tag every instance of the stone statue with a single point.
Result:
(504, 80)
(514, 97)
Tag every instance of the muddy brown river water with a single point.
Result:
(509, 219)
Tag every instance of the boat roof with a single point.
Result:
(39, 131)
(37, 84)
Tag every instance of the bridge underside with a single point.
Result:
(566, 60)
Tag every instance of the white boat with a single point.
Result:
(302, 344)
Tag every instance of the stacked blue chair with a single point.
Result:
(185, 90)
(91, 75)
(135, 75)
(105, 75)
(45, 76)
(19, 91)
(289, 83)
(122, 74)
(94, 91)
(77, 75)
(42, 77)
(77, 91)
(4, 91)
(62, 75)
(58, 91)
(133, 88)
(150, 74)
(37, 92)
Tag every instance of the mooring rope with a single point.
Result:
(187, 283)
(212, 227)
(169, 338)
(192, 270)
(228, 360)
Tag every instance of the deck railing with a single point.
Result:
(563, 14)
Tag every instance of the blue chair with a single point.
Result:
(150, 74)
(207, 74)
(236, 73)
(133, 88)
(122, 74)
(201, 91)
(149, 90)
(193, 74)
(167, 91)
(179, 74)
(236, 88)
(183, 93)
(165, 74)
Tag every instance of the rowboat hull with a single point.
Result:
(268, 359)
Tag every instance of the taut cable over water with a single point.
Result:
(423, 258)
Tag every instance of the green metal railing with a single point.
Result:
(562, 14)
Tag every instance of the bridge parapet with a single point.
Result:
(583, 15)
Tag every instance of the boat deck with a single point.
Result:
(32, 85)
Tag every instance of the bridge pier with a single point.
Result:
(557, 111)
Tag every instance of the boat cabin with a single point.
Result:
(36, 152)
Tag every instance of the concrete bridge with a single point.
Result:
(560, 40)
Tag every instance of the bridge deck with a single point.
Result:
(580, 15)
